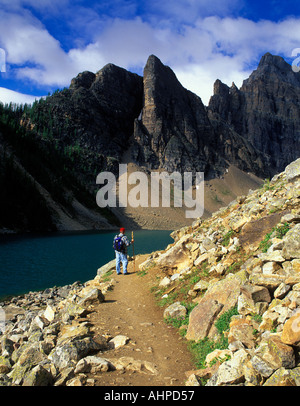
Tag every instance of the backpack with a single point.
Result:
(118, 243)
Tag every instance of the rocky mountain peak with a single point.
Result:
(84, 79)
(173, 128)
(272, 60)
(273, 67)
(265, 111)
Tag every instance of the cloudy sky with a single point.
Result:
(45, 43)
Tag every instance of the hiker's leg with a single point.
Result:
(118, 260)
(124, 262)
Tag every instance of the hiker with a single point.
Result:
(120, 245)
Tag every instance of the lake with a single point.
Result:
(36, 262)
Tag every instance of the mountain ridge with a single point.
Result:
(102, 115)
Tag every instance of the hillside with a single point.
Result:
(239, 271)
(229, 283)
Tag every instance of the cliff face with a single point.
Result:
(265, 110)
(253, 128)
(173, 130)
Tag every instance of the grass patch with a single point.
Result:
(277, 231)
(267, 185)
(226, 238)
(107, 276)
(179, 322)
(222, 324)
(202, 348)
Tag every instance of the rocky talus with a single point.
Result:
(232, 280)
(246, 259)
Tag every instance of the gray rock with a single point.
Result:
(291, 245)
(175, 311)
(94, 296)
(292, 171)
(38, 376)
(67, 355)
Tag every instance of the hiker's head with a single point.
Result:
(122, 230)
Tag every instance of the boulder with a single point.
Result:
(261, 366)
(230, 372)
(49, 313)
(280, 354)
(106, 268)
(94, 296)
(118, 341)
(241, 331)
(284, 377)
(281, 291)
(71, 331)
(175, 311)
(92, 364)
(5, 365)
(291, 244)
(38, 376)
(177, 256)
(202, 318)
(291, 330)
(68, 354)
(220, 296)
(292, 171)
(256, 293)
(165, 282)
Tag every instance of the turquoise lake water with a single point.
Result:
(36, 262)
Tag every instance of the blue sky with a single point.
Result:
(46, 43)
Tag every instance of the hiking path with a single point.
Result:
(130, 309)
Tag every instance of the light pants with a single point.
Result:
(120, 256)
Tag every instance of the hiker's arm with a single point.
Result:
(127, 242)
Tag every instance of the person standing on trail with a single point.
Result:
(120, 245)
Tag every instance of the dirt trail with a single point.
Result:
(130, 310)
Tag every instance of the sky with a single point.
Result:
(45, 43)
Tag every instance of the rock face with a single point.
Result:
(173, 130)
(96, 113)
(167, 126)
(254, 128)
(265, 110)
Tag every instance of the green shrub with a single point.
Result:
(222, 324)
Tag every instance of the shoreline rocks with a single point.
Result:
(48, 340)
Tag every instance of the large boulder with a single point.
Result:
(292, 171)
(291, 245)
(291, 330)
(178, 256)
(220, 297)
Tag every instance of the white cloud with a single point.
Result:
(200, 52)
(9, 96)
(201, 78)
